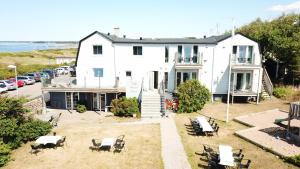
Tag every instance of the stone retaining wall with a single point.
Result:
(35, 106)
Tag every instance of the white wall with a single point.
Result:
(221, 63)
(213, 74)
(87, 61)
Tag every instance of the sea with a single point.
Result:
(27, 46)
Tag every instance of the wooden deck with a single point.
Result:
(243, 93)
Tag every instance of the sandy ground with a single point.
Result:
(142, 147)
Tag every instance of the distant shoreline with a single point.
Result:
(75, 42)
(28, 46)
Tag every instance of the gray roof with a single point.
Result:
(208, 40)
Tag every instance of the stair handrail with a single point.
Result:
(268, 83)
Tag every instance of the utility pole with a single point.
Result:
(229, 72)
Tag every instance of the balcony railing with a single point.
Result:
(195, 59)
(242, 61)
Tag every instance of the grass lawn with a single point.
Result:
(35, 57)
(259, 157)
(142, 146)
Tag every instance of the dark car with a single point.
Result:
(51, 73)
(73, 71)
(36, 76)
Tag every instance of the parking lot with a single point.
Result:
(29, 91)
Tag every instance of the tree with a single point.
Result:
(192, 96)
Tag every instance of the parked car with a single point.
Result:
(44, 75)
(26, 79)
(51, 73)
(66, 69)
(36, 76)
(3, 88)
(9, 84)
(20, 82)
(60, 71)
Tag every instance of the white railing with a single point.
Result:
(241, 60)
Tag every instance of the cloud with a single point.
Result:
(292, 7)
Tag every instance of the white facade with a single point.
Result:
(121, 68)
(64, 59)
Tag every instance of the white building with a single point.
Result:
(108, 64)
(64, 59)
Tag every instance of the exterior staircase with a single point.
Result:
(151, 105)
(267, 86)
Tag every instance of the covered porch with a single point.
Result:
(245, 82)
(94, 99)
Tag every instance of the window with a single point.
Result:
(166, 54)
(242, 54)
(234, 50)
(97, 49)
(195, 54)
(166, 80)
(194, 75)
(187, 53)
(179, 50)
(178, 78)
(98, 72)
(137, 50)
(128, 73)
(250, 54)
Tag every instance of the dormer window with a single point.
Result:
(97, 49)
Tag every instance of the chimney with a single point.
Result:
(141, 38)
(116, 31)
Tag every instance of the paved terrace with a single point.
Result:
(266, 134)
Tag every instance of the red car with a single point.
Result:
(20, 82)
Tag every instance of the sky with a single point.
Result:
(72, 20)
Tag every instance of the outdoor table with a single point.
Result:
(206, 127)
(48, 139)
(226, 155)
(108, 142)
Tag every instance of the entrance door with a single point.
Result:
(239, 81)
(243, 81)
(155, 80)
(99, 101)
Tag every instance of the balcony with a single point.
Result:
(244, 62)
(194, 62)
(236, 60)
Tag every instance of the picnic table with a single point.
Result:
(226, 155)
(108, 142)
(48, 139)
(206, 127)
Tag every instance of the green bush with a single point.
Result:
(282, 92)
(80, 108)
(4, 153)
(31, 130)
(293, 160)
(125, 107)
(9, 132)
(12, 107)
(192, 96)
